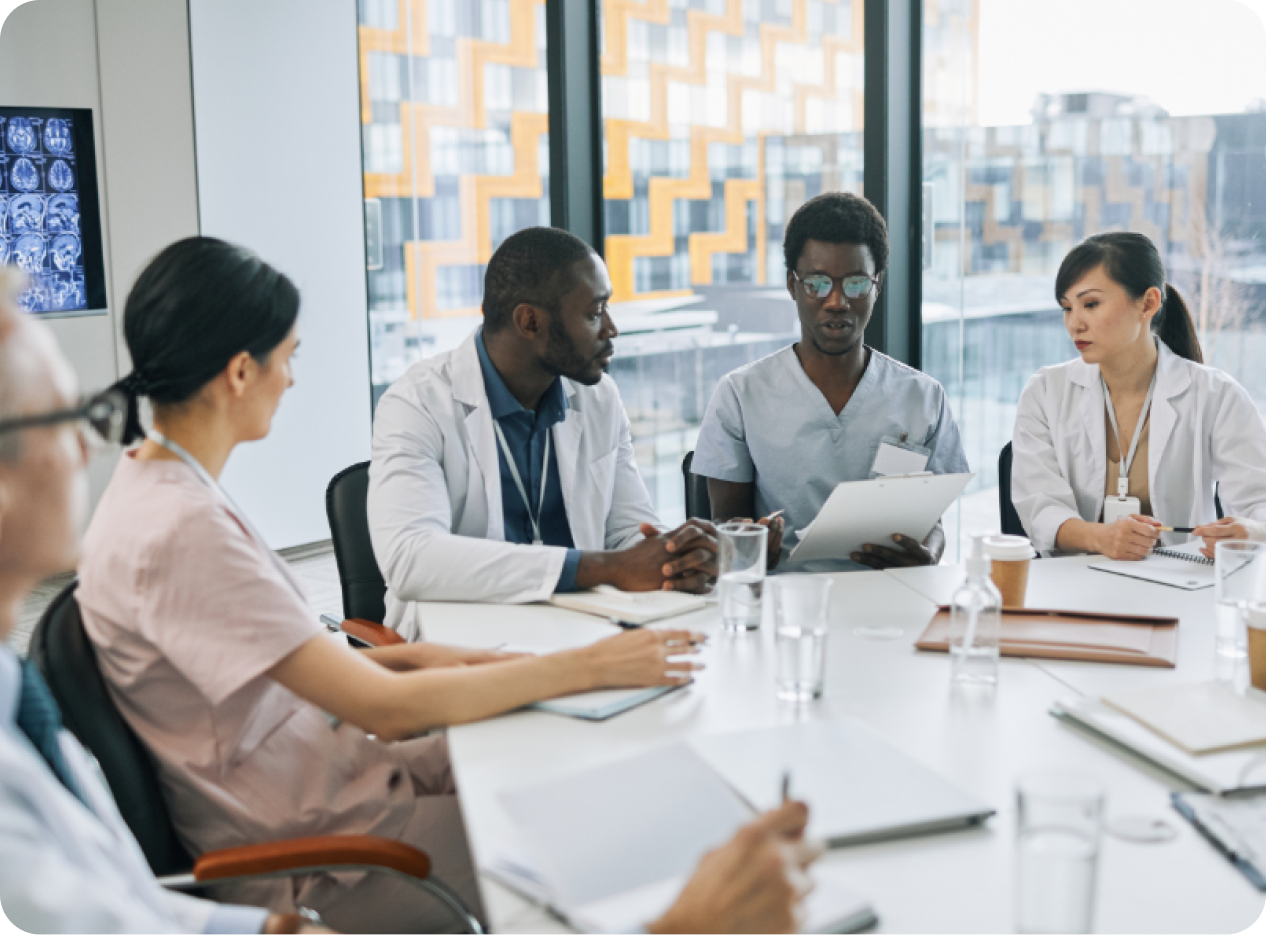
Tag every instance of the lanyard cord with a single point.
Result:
(159, 439)
(1123, 475)
(518, 481)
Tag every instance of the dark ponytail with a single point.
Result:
(1133, 263)
(199, 304)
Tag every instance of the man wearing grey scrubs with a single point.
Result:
(781, 432)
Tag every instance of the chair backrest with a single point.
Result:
(1011, 524)
(65, 657)
(698, 503)
(364, 590)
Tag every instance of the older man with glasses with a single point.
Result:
(782, 432)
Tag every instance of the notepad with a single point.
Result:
(610, 848)
(1236, 826)
(630, 607)
(1200, 717)
(600, 705)
(1180, 567)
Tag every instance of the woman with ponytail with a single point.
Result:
(1134, 433)
(263, 727)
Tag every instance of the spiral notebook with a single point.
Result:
(1180, 567)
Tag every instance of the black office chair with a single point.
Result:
(1011, 524)
(698, 503)
(362, 584)
(66, 658)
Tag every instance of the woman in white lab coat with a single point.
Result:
(1134, 433)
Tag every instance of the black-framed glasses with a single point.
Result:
(819, 285)
(104, 415)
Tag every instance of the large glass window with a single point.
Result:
(454, 106)
(1026, 154)
(721, 117)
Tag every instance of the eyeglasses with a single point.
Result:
(104, 415)
(819, 285)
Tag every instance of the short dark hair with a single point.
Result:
(533, 266)
(837, 217)
(1132, 261)
(195, 307)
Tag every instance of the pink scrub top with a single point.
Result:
(188, 614)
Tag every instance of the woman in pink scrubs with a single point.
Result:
(263, 727)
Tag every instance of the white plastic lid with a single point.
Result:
(1255, 616)
(1008, 548)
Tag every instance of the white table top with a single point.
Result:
(958, 881)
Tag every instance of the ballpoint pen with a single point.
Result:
(1175, 529)
(786, 784)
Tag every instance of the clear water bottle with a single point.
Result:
(975, 623)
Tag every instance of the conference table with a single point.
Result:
(979, 738)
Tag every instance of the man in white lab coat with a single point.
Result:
(503, 470)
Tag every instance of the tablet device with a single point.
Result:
(862, 511)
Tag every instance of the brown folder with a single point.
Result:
(1063, 634)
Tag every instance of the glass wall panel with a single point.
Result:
(721, 117)
(1038, 132)
(454, 111)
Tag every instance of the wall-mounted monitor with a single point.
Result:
(50, 221)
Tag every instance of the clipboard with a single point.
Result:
(862, 511)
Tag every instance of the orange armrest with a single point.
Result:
(316, 853)
(375, 634)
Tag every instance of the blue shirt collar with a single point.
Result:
(10, 686)
(553, 407)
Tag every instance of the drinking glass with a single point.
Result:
(1240, 578)
(801, 607)
(1057, 851)
(741, 552)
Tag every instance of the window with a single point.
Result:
(720, 118)
(456, 158)
(1025, 155)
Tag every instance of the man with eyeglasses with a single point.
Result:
(68, 863)
(781, 432)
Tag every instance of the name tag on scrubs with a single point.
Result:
(896, 456)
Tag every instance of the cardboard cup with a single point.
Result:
(1255, 619)
(1010, 557)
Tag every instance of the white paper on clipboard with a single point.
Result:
(862, 511)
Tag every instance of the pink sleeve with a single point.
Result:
(216, 606)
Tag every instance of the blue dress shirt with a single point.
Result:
(525, 432)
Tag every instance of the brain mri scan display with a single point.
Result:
(60, 177)
(26, 214)
(49, 225)
(25, 177)
(28, 253)
(57, 137)
(63, 214)
(21, 135)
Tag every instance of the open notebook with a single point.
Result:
(610, 848)
(1179, 567)
(628, 607)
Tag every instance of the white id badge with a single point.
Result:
(1116, 507)
(899, 456)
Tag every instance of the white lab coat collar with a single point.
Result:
(469, 390)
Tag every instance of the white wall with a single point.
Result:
(277, 128)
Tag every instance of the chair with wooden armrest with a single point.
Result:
(64, 655)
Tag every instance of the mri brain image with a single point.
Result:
(4, 214)
(57, 137)
(21, 135)
(24, 176)
(26, 213)
(60, 177)
(28, 252)
(65, 252)
(4, 251)
(63, 214)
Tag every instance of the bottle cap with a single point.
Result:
(978, 564)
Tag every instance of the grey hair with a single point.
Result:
(12, 282)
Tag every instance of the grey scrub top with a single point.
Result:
(767, 422)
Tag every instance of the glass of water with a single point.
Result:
(741, 551)
(1240, 579)
(801, 607)
(1058, 820)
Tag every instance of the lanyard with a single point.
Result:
(518, 481)
(1123, 475)
(159, 439)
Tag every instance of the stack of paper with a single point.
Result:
(1203, 717)
(636, 608)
